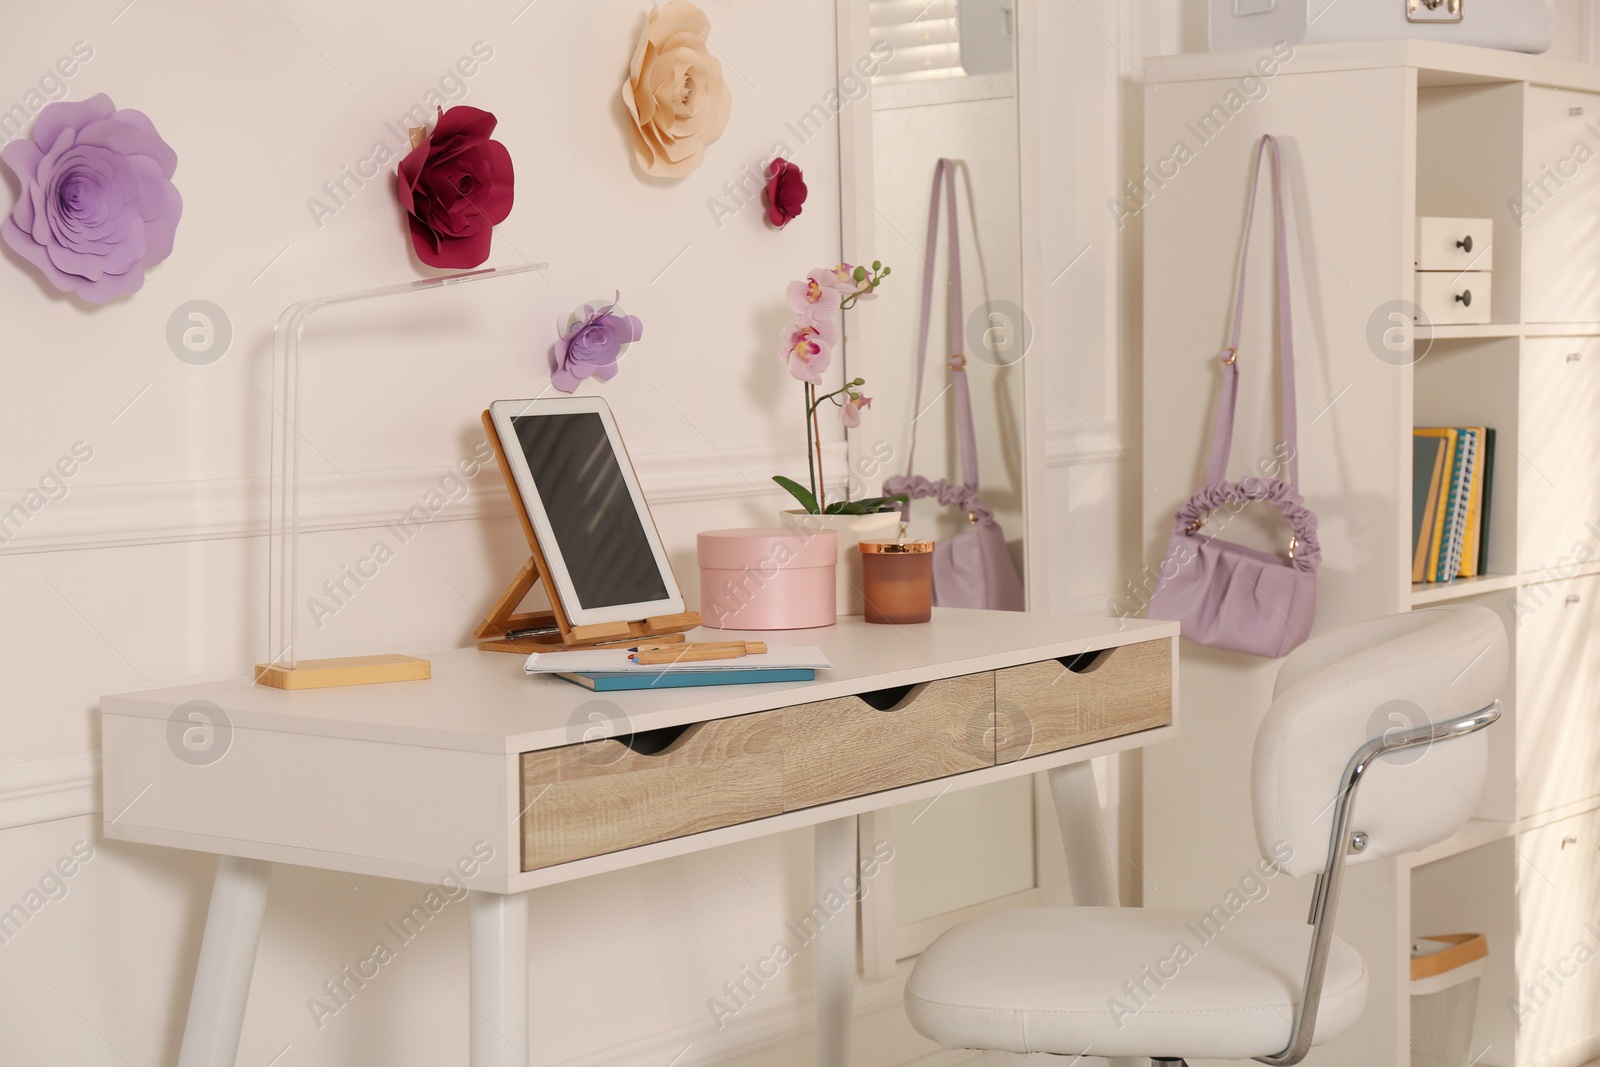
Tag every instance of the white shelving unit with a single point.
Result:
(1374, 136)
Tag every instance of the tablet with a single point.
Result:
(604, 557)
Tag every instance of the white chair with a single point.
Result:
(1394, 706)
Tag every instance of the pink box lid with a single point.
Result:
(766, 546)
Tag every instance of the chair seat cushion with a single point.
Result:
(1127, 982)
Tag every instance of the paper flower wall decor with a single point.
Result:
(786, 192)
(675, 93)
(593, 342)
(455, 187)
(97, 205)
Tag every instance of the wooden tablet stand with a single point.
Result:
(504, 618)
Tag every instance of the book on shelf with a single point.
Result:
(1486, 465)
(1452, 482)
(1474, 555)
(1427, 468)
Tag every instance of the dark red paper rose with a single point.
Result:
(786, 192)
(455, 187)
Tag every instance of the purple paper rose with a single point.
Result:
(98, 205)
(594, 340)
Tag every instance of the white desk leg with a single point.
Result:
(227, 959)
(833, 960)
(1091, 864)
(498, 977)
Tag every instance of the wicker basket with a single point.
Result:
(1444, 998)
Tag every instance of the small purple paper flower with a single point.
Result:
(592, 344)
(97, 204)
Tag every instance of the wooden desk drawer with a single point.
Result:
(601, 796)
(849, 746)
(1049, 706)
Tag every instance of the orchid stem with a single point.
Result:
(822, 484)
(811, 460)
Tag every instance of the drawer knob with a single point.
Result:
(1574, 598)
(1465, 244)
(1574, 357)
(1568, 840)
(1465, 297)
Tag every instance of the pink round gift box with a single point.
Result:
(769, 578)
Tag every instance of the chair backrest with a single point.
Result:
(1375, 679)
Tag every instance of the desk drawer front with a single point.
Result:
(847, 747)
(594, 798)
(1049, 706)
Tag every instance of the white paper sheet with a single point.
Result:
(615, 660)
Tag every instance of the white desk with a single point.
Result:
(407, 780)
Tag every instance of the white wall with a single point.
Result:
(111, 589)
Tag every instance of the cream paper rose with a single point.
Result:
(675, 92)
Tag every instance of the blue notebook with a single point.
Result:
(1448, 563)
(608, 682)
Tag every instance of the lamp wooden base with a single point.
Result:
(350, 670)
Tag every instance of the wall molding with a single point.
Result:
(46, 788)
(117, 516)
(1070, 444)
(150, 513)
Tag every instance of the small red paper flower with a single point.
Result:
(786, 192)
(456, 186)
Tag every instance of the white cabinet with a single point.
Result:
(1558, 916)
(1558, 475)
(1448, 297)
(1559, 206)
(1446, 142)
(1455, 244)
(1557, 712)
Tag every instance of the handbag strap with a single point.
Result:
(1222, 435)
(944, 193)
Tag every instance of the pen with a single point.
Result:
(753, 648)
(531, 631)
(695, 653)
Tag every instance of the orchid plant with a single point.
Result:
(817, 302)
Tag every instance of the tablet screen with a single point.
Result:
(591, 512)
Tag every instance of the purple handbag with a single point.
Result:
(1223, 594)
(974, 569)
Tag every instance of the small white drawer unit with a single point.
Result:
(1454, 275)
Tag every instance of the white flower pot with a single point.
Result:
(851, 530)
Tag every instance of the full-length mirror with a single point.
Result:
(944, 87)
(941, 141)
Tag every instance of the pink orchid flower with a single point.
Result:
(850, 411)
(808, 349)
(842, 276)
(815, 300)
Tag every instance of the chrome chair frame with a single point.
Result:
(1341, 843)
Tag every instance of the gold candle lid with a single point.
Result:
(896, 548)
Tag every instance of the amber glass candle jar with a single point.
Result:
(897, 581)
